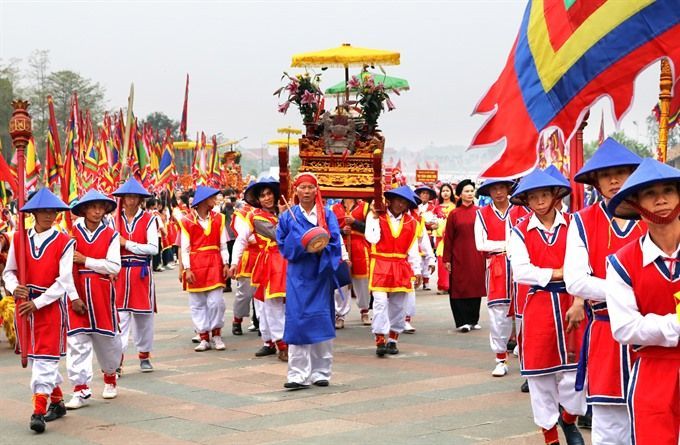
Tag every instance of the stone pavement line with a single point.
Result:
(438, 390)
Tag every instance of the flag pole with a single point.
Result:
(665, 88)
(128, 129)
(21, 132)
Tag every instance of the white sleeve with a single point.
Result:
(577, 271)
(63, 285)
(522, 270)
(482, 241)
(372, 232)
(109, 265)
(631, 327)
(243, 231)
(185, 248)
(224, 247)
(343, 249)
(151, 246)
(9, 275)
(415, 259)
(426, 246)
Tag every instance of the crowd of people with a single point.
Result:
(586, 300)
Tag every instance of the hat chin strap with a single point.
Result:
(654, 218)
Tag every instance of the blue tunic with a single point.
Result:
(310, 308)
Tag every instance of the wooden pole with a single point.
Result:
(284, 173)
(665, 89)
(20, 130)
(575, 164)
(378, 203)
(128, 129)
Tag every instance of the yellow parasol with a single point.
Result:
(289, 130)
(282, 142)
(345, 56)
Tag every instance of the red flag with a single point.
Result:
(183, 124)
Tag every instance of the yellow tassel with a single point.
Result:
(677, 307)
(7, 316)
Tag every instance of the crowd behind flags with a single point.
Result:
(91, 157)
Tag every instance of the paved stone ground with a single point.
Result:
(439, 390)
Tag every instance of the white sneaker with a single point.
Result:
(204, 345)
(408, 328)
(217, 343)
(169, 266)
(500, 370)
(252, 327)
(78, 400)
(476, 327)
(464, 328)
(515, 351)
(110, 391)
(196, 339)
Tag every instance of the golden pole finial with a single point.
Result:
(665, 88)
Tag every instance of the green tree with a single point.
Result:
(295, 164)
(633, 145)
(37, 91)
(160, 122)
(653, 133)
(62, 84)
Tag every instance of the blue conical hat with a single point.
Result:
(44, 199)
(203, 193)
(538, 179)
(93, 196)
(424, 188)
(610, 154)
(649, 172)
(252, 192)
(404, 192)
(132, 187)
(483, 189)
(555, 173)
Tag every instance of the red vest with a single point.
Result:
(204, 252)
(247, 261)
(135, 290)
(498, 279)
(47, 332)
(358, 247)
(390, 270)
(96, 290)
(269, 271)
(654, 401)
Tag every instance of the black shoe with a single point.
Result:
(265, 351)
(524, 387)
(236, 329)
(571, 433)
(392, 348)
(511, 345)
(322, 383)
(55, 411)
(227, 289)
(381, 350)
(37, 423)
(294, 386)
(585, 421)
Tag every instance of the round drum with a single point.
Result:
(315, 239)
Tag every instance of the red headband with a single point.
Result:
(306, 177)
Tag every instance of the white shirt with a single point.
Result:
(105, 266)
(482, 241)
(185, 243)
(628, 325)
(151, 246)
(63, 285)
(372, 235)
(426, 248)
(522, 270)
(312, 216)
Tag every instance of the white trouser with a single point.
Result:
(310, 363)
(410, 304)
(425, 266)
(343, 302)
(45, 376)
(262, 319)
(360, 287)
(500, 327)
(548, 392)
(388, 313)
(611, 425)
(274, 316)
(207, 310)
(142, 330)
(243, 294)
(79, 357)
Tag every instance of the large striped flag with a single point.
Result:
(70, 185)
(567, 55)
(166, 166)
(54, 167)
(32, 166)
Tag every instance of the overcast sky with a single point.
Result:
(235, 52)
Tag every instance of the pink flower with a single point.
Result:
(353, 82)
(284, 107)
(390, 105)
(292, 87)
(370, 82)
(308, 98)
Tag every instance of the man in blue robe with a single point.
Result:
(310, 307)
